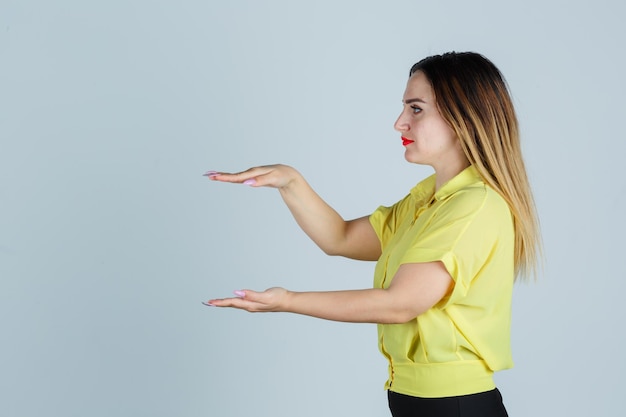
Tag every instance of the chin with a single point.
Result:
(412, 158)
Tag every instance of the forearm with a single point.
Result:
(316, 218)
(355, 306)
(353, 239)
(415, 288)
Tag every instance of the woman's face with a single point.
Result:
(428, 139)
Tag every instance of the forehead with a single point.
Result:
(418, 86)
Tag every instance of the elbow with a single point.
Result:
(399, 313)
(400, 317)
(331, 251)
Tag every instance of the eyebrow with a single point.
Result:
(414, 100)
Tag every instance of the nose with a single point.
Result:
(401, 125)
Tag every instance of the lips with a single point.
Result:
(406, 141)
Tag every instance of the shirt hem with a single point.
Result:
(436, 380)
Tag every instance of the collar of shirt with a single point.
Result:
(423, 192)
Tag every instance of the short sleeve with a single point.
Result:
(463, 234)
(385, 220)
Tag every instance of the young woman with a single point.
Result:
(447, 253)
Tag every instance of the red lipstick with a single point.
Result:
(406, 141)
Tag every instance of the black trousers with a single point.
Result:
(483, 404)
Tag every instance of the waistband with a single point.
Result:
(432, 380)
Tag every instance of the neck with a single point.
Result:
(448, 171)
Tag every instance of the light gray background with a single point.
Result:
(110, 238)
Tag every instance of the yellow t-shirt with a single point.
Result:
(454, 347)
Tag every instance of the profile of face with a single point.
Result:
(427, 137)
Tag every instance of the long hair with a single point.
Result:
(473, 97)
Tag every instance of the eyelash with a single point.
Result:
(416, 109)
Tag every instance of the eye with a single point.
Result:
(416, 109)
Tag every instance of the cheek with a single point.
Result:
(446, 135)
(433, 134)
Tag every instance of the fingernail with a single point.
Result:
(210, 174)
(208, 304)
(239, 293)
(251, 181)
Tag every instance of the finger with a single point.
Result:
(265, 178)
(252, 296)
(225, 302)
(227, 177)
(275, 176)
(246, 300)
(237, 303)
(247, 177)
(221, 302)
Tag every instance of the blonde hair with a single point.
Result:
(473, 97)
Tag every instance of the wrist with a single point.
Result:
(287, 302)
(292, 180)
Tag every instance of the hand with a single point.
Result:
(272, 299)
(275, 176)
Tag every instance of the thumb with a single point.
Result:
(247, 295)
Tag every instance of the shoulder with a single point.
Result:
(475, 203)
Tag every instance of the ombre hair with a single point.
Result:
(473, 97)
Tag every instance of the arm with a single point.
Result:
(354, 239)
(415, 288)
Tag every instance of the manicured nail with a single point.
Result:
(251, 181)
(210, 174)
(208, 304)
(239, 293)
